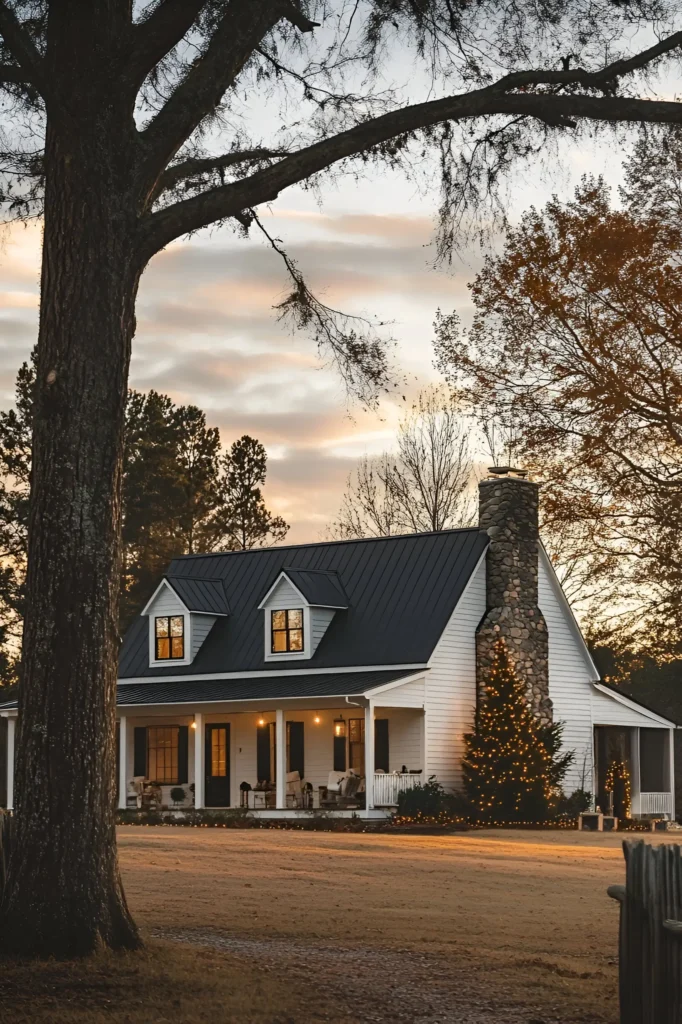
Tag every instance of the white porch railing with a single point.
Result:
(652, 803)
(387, 787)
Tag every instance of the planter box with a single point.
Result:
(591, 821)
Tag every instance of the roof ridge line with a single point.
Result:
(331, 543)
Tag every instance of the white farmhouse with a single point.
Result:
(336, 675)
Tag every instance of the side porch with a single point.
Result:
(339, 756)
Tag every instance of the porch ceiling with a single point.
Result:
(341, 684)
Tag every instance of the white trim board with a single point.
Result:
(275, 673)
(633, 705)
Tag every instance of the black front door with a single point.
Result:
(217, 766)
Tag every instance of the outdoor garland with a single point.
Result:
(619, 770)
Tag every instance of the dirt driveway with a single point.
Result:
(476, 928)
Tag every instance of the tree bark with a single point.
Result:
(63, 895)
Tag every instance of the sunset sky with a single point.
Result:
(207, 332)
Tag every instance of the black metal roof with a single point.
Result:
(401, 592)
(200, 595)
(308, 684)
(318, 587)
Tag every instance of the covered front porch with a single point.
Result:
(338, 756)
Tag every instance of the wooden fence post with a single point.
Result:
(650, 944)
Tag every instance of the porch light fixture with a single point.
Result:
(193, 725)
(317, 719)
(261, 721)
(339, 727)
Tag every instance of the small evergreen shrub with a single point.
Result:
(427, 801)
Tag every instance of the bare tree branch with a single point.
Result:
(240, 31)
(194, 166)
(21, 45)
(264, 186)
(601, 79)
(156, 36)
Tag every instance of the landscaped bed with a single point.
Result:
(484, 927)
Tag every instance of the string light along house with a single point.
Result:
(337, 675)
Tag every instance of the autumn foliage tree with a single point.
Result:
(577, 341)
(131, 124)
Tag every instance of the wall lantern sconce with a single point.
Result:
(193, 725)
(339, 727)
(261, 721)
(317, 719)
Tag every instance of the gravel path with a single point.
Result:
(372, 984)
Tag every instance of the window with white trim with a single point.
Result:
(286, 629)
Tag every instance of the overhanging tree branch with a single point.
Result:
(593, 79)
(240, 31)
(21, 45)
(194, 166)
(264, 186)
(156, 36)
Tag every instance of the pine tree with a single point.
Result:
(243, 521)
(512, 765)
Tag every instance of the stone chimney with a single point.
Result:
(508, 513)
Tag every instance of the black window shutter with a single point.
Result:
(183, 753)
(296, 749)
(339, 753)
(381, 744)
(140, 760)
(263, 753)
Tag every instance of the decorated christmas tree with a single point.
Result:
(513, 766)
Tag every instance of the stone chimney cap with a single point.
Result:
(522, 474)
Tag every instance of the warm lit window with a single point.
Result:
(162, 754)
(287, 630)
(219, 752)
(170, 637)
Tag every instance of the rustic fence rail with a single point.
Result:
(650, 943)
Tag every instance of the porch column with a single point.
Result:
(369, 756)
(122, 763)
(671, 770)
(198, 761)
(280, 759)
(11, 725)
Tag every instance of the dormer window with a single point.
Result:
(170, 637)
(287, 630)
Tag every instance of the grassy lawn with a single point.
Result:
(290, 927)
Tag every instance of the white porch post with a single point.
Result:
(636, 776)
(281, 759)
(198, 761)
(11, 725)
(369, 756)
(423, 739)
(122, 763)
(671, 771)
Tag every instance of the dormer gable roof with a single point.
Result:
(203, 596)
(318, 587)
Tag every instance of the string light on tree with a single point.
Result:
(513, 768)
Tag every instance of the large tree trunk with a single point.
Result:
(64, 896)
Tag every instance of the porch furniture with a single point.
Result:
(591, 821)
(151, 797)
(134, 792)
(263, 796)
(344, 791)
(244, 790)
(295, 790)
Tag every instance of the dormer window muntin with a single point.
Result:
(286, 628)
(169, 637)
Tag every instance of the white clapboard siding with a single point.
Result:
(570, 678)
(167, 603)
(319, 621)
(451, 685)
(201, 626)
(408, 695)
(607, 710)
(285, 596)
(404, 738)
